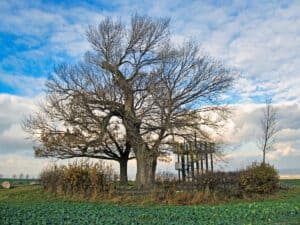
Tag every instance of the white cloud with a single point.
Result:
(24, 85)
(289, 134)
(71, 40)
(281, 150)
(30, 21)
(15, 164)
(12, 110)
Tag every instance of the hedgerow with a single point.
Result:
(79, 178)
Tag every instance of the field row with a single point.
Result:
(27, 206)
(87, 213)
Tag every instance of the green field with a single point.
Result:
(18, 182)
(291, 181)
(30, 205)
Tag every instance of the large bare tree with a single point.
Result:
(135, 75)
(269, 128)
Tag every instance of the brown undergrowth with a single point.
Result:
(97, 182)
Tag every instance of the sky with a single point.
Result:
(259, 39)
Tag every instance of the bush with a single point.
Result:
(78, 178)
(164, 176)
(224, 184)
(259, 178)
(207, 181)
(164, 188)
(52, 178)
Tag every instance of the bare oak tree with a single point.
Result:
(269, 128)
(134, 75)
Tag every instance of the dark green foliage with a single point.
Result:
(30, 205)
(81, 213)
(19, 209)
(259, 178)
(79, 178)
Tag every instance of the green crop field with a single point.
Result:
(18, 181)
(291, 181)
(30, 205)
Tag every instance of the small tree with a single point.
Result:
(269, 128)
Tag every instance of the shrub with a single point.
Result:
(228, 186)
(164, 176)
(259, 178)
(207, 181)
(78, 178)
(165, 187)
(219, 182)
(52, 178)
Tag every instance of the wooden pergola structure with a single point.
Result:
(194, 158)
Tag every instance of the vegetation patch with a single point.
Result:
(259, 178)
(30, 205)
(79, 178)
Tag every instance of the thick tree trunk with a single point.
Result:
(123, 170)
(146, 162)
(146, 167)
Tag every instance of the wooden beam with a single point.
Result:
(206, 156)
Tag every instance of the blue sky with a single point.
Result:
(259, 39)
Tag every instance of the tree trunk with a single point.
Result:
(146, 167)
(154, 164)
(123, 171)
(264, 156)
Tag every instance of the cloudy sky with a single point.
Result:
(260, 39)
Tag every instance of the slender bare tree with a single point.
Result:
(135, 75)
(269, 128)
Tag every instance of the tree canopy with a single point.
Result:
(134, 90)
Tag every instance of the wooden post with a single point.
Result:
(178, 160)
(183, 165)
(188, 172)
(202, 152)
(206, 156)
(197, 155)
(192, 160)
(211, 157)
(197, 165)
